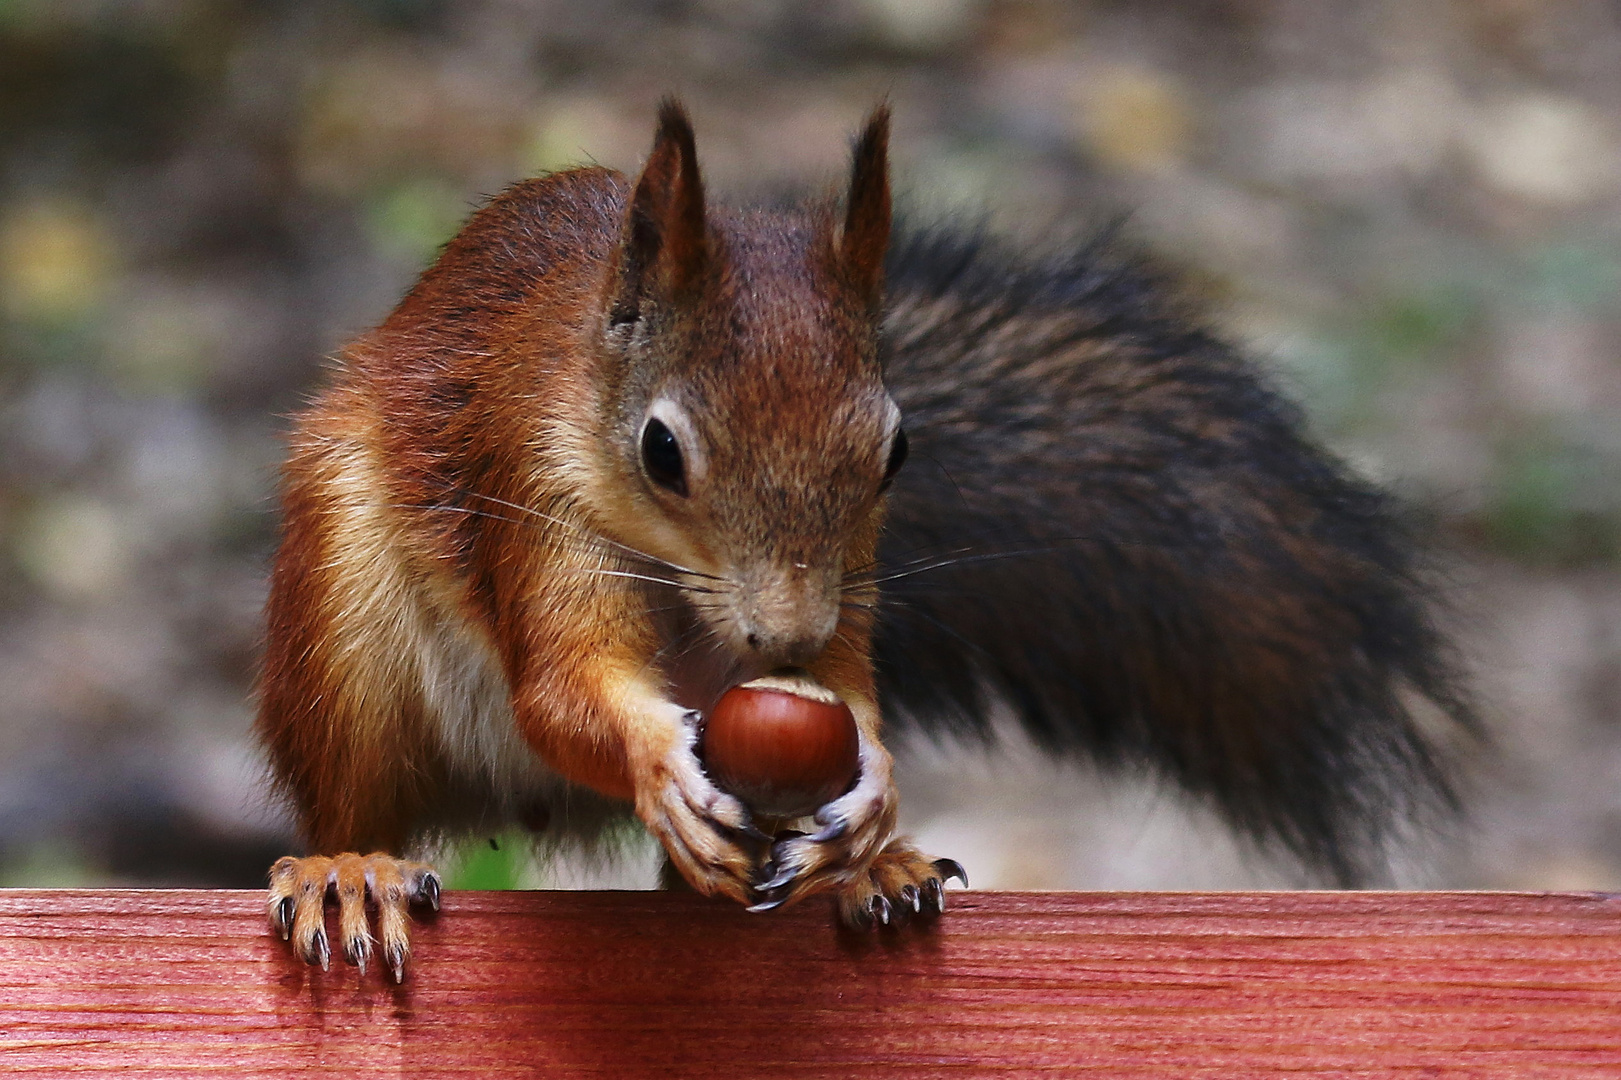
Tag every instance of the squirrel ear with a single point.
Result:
(865, 237)
(662, 247)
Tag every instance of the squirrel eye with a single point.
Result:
(661, 457)
(897, 458)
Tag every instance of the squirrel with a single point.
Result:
(619, 450)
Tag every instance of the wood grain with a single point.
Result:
(669, 985)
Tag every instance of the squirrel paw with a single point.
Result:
(901, 883)
(298, 893)
(854, 829)
(705, 832)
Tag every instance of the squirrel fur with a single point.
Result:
(620, 450)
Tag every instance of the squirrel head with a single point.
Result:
(749, 435)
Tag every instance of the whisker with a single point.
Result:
(564, 522)
(964, 561)
(455, 510)
(915, 612)
(596, 572)
(876, 565)
(578, 570)
(660, 609)
(689, 632)
(867, 574)
(579, 530)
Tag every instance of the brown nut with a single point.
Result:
(783, 744)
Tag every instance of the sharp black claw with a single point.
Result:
(754, 832)
(357, 953)
(320, 953)
(951, 868)
(767, 904)
(779, 850)
(909, 894)
(781, 881)
(395, 957)
(283, 917)
(832, 832)
(880, 909)
(933, 899)
(428, 890)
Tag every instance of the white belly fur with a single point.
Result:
(391, 618)
(467, 701)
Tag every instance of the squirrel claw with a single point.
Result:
(832, 831)
(769, 904)
(281, 916)
(358, 952)
(783, 879)
(880, 909)
(395, 957)
(899, 883)
(318, 952)
(951, 868)
(428, 890)
(301, 888)
(705, 832)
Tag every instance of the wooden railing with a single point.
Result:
(667, 985)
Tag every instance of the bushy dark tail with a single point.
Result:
(1111, 524)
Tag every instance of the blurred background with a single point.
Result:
(1407, 208)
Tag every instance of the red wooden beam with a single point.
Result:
(667, 985)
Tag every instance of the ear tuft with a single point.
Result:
(662, 246)
(865, 237)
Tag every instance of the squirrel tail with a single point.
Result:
(1113, 527)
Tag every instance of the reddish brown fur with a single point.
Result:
(473, 475)
(865, 239)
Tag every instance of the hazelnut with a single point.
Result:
(784, 744)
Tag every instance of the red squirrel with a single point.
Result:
(620, 450)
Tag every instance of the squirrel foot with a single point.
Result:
(298, 893)
(706, 834)
(901, 883)
(854, 830)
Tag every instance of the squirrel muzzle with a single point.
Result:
(784, 618)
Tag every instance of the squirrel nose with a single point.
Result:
(787, 652)
(792, 641)
(786, 617)
(790, 647)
